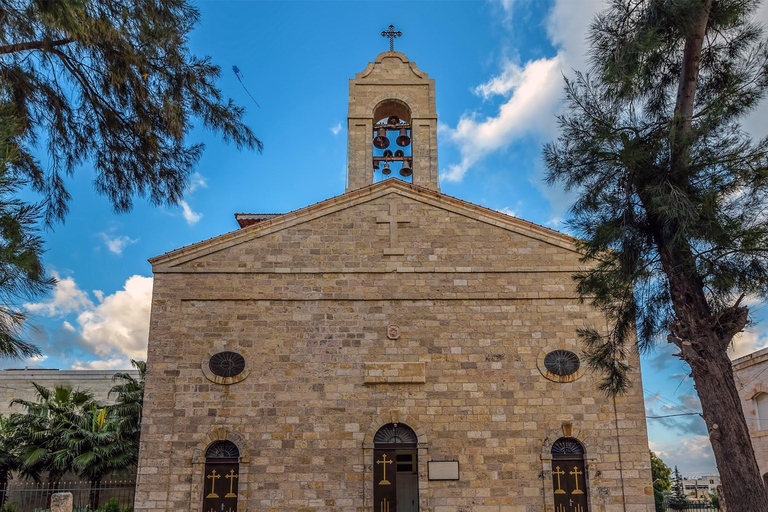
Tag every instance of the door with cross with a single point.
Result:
(570, 485)
(221, 476)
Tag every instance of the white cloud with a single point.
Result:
(106, 364)
(120, 323)
(115, 328)
(533, 90)
(507, 210)
(196, 181)
(116, 244)
(692, 455)
(754, 338)
(190, 216)
(534, 97)
(336, 129)
(67, 298)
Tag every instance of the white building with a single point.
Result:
(699, 487)
(752, 380)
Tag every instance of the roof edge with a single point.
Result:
(353, 195)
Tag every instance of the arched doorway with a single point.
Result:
(569, 476)
(395, 469)
(222, 471)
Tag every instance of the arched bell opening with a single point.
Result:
(220, 480)
(392, 147)
(396, 469)
(569, 475)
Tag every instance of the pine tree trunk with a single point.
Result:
(728, 433)
(703, 339)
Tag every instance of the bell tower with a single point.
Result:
(392, 123)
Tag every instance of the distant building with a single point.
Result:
(752, 380)
(697, 488)
(18, 384)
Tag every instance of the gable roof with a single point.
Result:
(424, 195)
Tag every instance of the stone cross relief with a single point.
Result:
(393, 220)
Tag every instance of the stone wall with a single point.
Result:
(308, 298)
(752, 380)
(18, 384)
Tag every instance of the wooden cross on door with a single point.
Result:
(393, 220)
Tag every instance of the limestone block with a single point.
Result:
(61, 502)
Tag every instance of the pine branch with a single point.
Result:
(34, 45)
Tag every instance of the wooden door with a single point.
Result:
(407, 487)
(570, 485)
(384, 481)
(220, 486)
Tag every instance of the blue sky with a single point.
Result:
(498, 68)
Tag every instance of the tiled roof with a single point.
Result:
(249, 219)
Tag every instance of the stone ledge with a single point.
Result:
(395, 373)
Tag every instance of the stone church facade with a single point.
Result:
(391, 349)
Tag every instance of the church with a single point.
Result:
(390, 349)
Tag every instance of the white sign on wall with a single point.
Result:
(443, 470)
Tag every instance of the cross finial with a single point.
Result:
(391, 34)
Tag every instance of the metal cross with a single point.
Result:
(391, 34)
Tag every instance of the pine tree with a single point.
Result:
(671, 199)
(110, 82)
(660, 476)
(678, 501)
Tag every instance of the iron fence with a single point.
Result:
(104, 496)
(695, 507)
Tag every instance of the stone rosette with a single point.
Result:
(225, 380)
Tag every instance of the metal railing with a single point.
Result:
(105, 496)
(694, 507)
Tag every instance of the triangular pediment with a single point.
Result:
(435, 227)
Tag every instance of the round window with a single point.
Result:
(226, 364)
(562, 362)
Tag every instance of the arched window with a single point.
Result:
(395, 469)
(222, 468)
(569, 475)
(761, 408)
(765, 479)
(392, 121)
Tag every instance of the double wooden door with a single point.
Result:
(395, 480)
(570, 485)
(220, 486)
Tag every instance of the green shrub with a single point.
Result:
(112, 506)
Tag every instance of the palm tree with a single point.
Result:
(9, 457)
(39, 430)
(93, 446)
(129, 400)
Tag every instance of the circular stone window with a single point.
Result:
(225, 367)
(561, 362)
(559, 365)
(227, 364)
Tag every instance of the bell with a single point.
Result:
(387, 170)
(387, 153)
(399, 153)
(375, 166)
(403, 139)
(406, 170)
(393, 120)
(381, 141)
